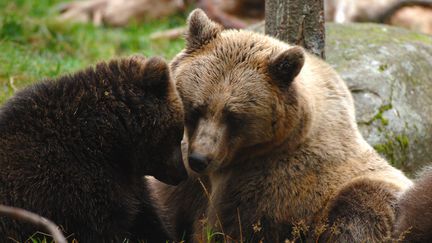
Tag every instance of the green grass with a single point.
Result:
(34, 45)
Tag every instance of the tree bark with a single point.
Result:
(298, 22)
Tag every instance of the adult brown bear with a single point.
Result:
(272, 131)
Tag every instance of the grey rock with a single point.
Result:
(389, 72)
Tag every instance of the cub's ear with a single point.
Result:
(156, 75)
(287, 65)
(201, 30)
(156, 71)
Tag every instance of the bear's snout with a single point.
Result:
(175, 170)
(198, 162)
(177, 175)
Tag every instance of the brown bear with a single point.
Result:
(271, 130)
(75, 151)
(414, 220)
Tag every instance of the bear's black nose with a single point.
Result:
(198, 162)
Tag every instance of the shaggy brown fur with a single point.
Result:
(273, 129)
(414, 220)
(74, 150)
(359, 202)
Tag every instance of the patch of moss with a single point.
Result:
(421, 37)
(383, 67)
(344, 36)
(395, 149)
(386, 149)
(412, 80)
(379, 116)
(403, 141)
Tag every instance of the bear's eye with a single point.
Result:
(193, 115)
(234, 120)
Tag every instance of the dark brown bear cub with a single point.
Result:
(75, 150)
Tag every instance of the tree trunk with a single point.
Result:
(299, 22)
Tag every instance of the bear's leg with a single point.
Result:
(242, 227)
(148, 224)
(239, 219)
(362, 211)
(181, 205)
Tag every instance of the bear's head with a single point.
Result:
(240, 94)
(163, 123)
(138, 116)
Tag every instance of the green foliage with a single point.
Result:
(379, 116)
(34, 45)
(37, 240)
(395, 145)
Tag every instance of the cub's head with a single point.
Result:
(239, 93)
(125, 113)
(148, 116)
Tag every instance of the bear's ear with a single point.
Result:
(287, 65)
(156, 75)
(201, 30)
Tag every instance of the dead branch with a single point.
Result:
(169, 34)
(26, 216)
(216, 14)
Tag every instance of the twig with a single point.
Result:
(211, 205)
(240, 226)
(24, 215)
(216, 14)
(12, 84)
(169, 34)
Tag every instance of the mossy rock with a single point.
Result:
(389, 72)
